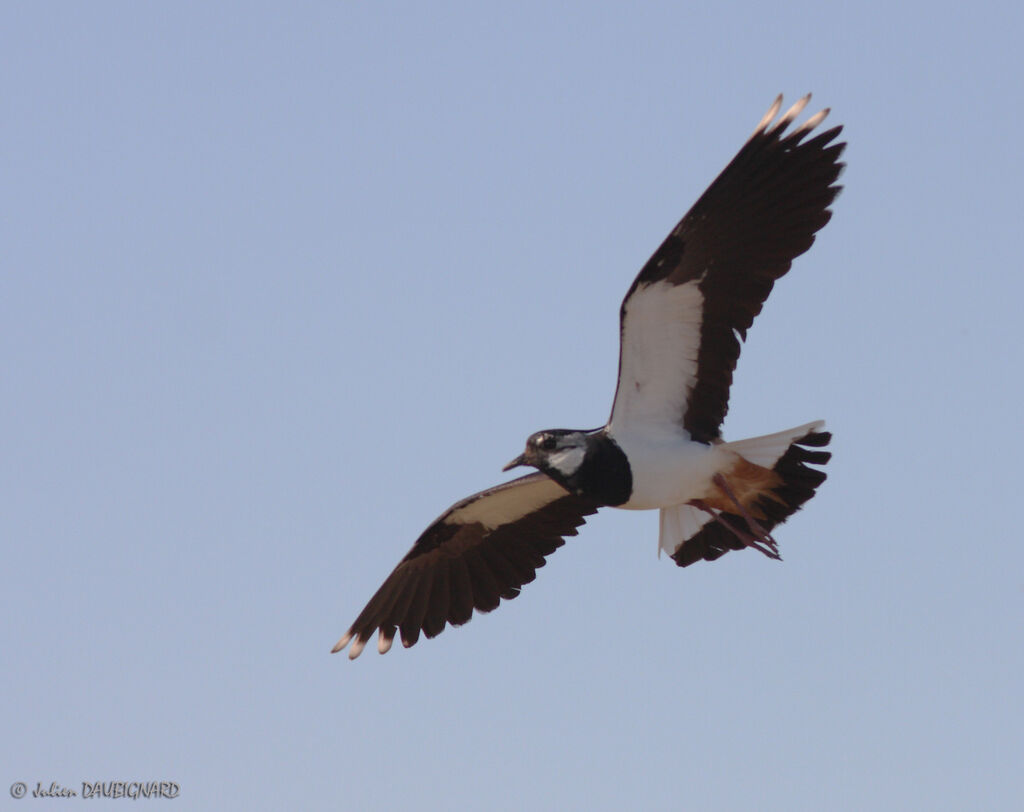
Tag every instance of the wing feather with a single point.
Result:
(480, 551)
(682, 319)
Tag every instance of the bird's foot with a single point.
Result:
(757, 537)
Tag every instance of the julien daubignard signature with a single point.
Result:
(100, 789)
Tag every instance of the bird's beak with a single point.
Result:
(520, 460)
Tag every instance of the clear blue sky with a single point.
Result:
(282, 281)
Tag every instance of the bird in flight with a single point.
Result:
(681, 324)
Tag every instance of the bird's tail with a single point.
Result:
(689, 533)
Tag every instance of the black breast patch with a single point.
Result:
(605, 475)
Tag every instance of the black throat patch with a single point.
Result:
(604, 476)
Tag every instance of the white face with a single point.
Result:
(562, 452)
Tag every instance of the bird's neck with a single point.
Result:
(604, 474)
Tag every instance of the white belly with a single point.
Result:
(669, 468)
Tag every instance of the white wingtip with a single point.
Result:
(767, 118)
(813, 121)
(792, 113)
(357, 648)
(384, 642)
(765, 124)
(341, 643)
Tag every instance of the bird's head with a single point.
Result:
(558, 452)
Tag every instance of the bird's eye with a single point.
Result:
(547, 442)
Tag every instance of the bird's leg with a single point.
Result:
(758, 532)
(771, 550)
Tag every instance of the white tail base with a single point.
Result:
(681, 522)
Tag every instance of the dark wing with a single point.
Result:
(684, 316)
(482, 549)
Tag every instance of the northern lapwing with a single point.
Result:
(681, 324)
